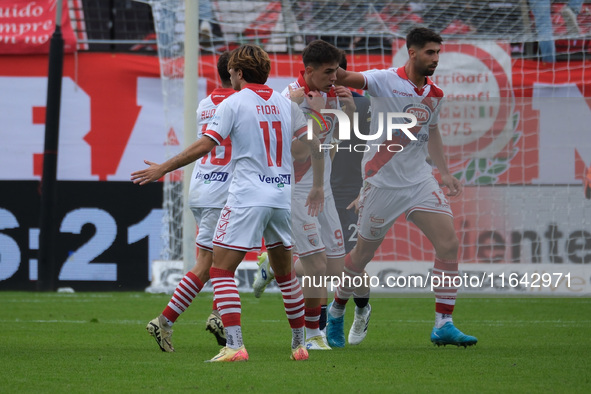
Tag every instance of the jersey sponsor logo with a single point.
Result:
(280, 181)
(208, 113)
(214, 120)
(374, 219)
(214, 176)
(421, 111)
(309, 226)
(399, 93)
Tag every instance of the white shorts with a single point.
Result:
(207, 220)
(316, 234)
(379, 207)
(243, 228)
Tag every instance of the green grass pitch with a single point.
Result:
(97, 342)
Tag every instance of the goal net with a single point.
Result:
(515, 125)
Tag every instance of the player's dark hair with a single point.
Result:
(343, 62)
(420, 36)
(253, 61)
(223, 67)
(320, 52)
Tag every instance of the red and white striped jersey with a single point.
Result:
(261, 124)
(303, 171)
(212, 173)
(392, 91)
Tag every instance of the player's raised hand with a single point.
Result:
(345, 97)
(297, 95)
(453, 184)
(315, 100)
(315, 201)
(147, 175)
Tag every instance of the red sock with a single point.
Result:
(346, 289)
(183, 296)
(293, 299)
(312, 317)
(445, 292)
(225, 295)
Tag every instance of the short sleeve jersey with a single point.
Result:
(392, 91)
(212, 174)
(303, 171)
(261, 124)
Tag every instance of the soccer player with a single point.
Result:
(208, 192)
(397, 182)
(261, 124)
(318, 240)
(346, 181)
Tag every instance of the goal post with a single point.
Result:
(190, 123)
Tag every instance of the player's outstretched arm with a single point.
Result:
(351, 79)
(155, 171)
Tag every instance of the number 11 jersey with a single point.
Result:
(261, 124)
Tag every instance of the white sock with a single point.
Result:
(337, 310)
(312, 332)
(362, 311)
(233, 337)
(297, 337)
(441, 319)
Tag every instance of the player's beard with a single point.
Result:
(428, 71)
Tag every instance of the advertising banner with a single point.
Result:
(27, 26)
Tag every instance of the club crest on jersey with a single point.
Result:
(329, 122)
(421, 111)
(313, 239)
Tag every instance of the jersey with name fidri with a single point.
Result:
(303, 170)
(385, 164)
(212, 173)
(261, 124)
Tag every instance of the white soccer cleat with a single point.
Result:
(360, 323)
(263, 276)
(317, 343)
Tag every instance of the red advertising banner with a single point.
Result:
(27, 26)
